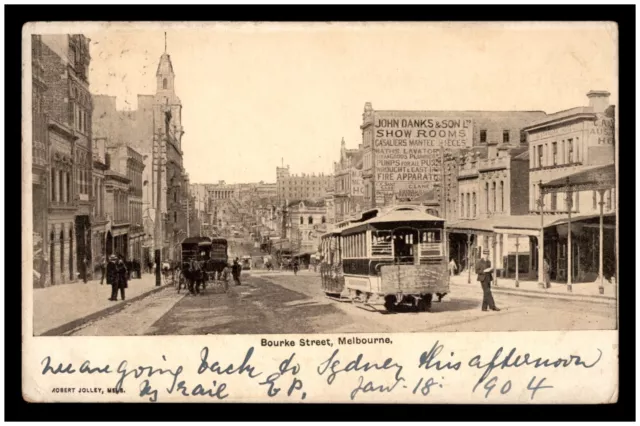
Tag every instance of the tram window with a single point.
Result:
(430, 237)
(381, 243)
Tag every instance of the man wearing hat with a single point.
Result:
(112, 277)
(485, 276)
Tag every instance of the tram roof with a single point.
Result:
(396, 215)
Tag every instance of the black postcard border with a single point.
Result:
(16, 409)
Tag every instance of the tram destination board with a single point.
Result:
(414, 278)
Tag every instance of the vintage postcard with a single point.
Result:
(320, 212)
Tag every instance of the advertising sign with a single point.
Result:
(408, 152)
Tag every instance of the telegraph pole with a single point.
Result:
(158, 227)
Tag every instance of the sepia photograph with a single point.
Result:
(309, 178)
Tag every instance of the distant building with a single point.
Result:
(348, 190)
(304, 186)
(307, 221)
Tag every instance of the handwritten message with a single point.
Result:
(430, 371)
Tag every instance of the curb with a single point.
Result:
(65, 328)
(601, 300)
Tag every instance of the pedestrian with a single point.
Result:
(85, 267)
(295, 267)
(236, 270)
(485, 277)
(546, 270)
(122, 274)
(452, 267)
(103, 270)
(112, 277)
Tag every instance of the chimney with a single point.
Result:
(598, 100)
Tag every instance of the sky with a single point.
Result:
(255, 95)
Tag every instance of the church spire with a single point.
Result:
(165, 42)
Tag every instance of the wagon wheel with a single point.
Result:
(389, 303)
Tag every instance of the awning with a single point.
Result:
(595, 178)
(578, 218)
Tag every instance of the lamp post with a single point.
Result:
(601, 243)
(540, 204)
(517, 256)
(469, 257)
(569, 250)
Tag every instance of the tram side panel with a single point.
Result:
(414, 279)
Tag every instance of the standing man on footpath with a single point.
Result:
(236, 270)
(485, 276)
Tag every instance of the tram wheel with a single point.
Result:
(425, 303)
(389, 303)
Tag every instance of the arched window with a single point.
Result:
(310, 220)
(164, 83)
(501, 196)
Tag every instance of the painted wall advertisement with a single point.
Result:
(408, 153)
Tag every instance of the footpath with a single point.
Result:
(586, 292)
(58, 309)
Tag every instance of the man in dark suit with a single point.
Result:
(485, 276)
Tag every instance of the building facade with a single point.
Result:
(64, 66)
(348, 191)
(307, 221)
(39, 167)
(567, 146)
(128, 162)
(116, 208)
(405, 152)
(99, 220)
(154, 130)
(304, 186)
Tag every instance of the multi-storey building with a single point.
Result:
(116, 197)
(572, 154)
(348, 191)
(39, 166)
(307, 221)
(155, 131)
(64, 68)
(404, 151)
(297, 187)
(99, 221)
(126, 161)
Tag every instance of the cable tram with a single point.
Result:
(395, 255)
